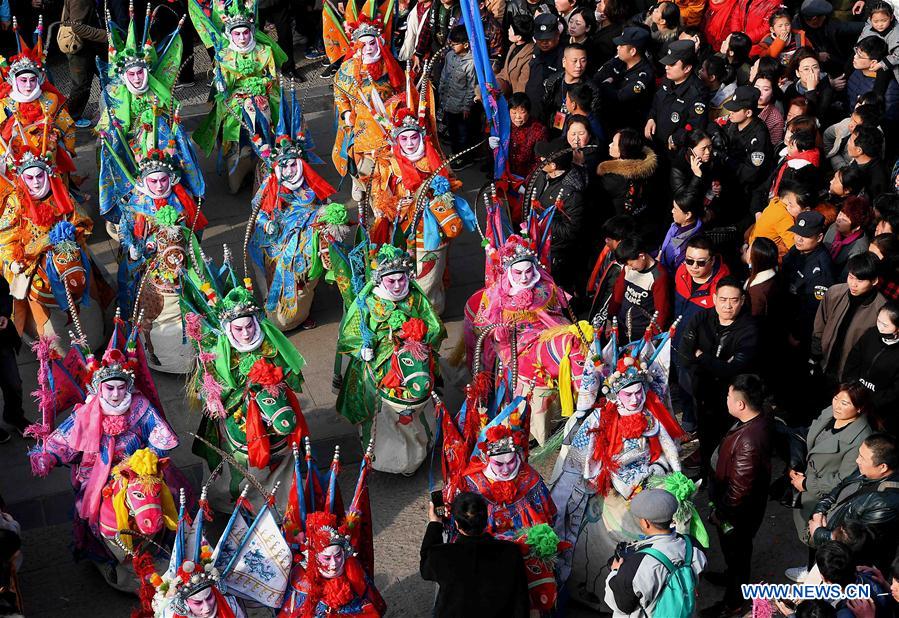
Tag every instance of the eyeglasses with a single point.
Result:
(692, 262)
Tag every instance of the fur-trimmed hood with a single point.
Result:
(633, 169)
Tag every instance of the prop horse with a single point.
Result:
(158, 297)
(61, 283)
(136, 496)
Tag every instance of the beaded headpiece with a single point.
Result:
(115, 365)
(628, 371)
(391, 260)
(501, 440)
(366, 27)
(237, 14)
(28, 59)
(238, 303)
(515, 250)
(157, 160)
(406, 121)
(24, 159)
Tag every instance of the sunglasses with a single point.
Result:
(692, 262)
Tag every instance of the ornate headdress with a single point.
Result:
(405, 120)
(157, 160)
(28, 59)
(238, 303)
(501, 440)
(628, 371)
(130, 53)
(391, 260)
(237, 14)
(516, 249)
(23, 158)
(366, 26)
(115, 365)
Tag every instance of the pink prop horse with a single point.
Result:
(137, 498)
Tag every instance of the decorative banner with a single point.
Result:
(260, 559)
(492, 98)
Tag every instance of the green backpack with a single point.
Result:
(678, 597)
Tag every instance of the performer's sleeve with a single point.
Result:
(58, 442)
(159, 436)
(11, 245)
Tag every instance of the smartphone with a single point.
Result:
(437, 501)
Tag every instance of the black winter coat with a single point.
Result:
(876, 365)
(478, 576)
(568, 233)
(624, 183)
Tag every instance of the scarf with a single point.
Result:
(840, 241)
(614, 428)
(87, 438)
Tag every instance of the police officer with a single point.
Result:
(627, 82)
(681, 101)
(808, 272)
(749, 153)
(547, 60)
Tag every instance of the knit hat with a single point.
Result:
(656, 505)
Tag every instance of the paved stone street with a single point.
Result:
(56, 586)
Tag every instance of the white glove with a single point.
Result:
(522, 189)
(367, 354)
(17, 267)
(270, 228)
(493, 142)
(133, 253)
(346, 117)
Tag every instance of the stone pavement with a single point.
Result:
(54, 585)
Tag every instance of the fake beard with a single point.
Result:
(491, 474)
(18, 97)
(245, 347)
(515, 288)
(242, 50)
(418, 154)
(382, 292)
(118, 410)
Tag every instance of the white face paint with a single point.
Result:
(243, 330)
(411, 144)
(393, 287)
(242, 39)
(371, 49)
(26, 83)
(522, 275)
(503, 467)
(632, 398)
(137, 79)
(158, 184)
(290, 173)
(37, 181)
(202, 604)
(331, 561)
(115, 397)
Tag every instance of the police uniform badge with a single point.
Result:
(699, 108)
(675, 117)
(820, 291)
(638, 87)
(757, 158)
